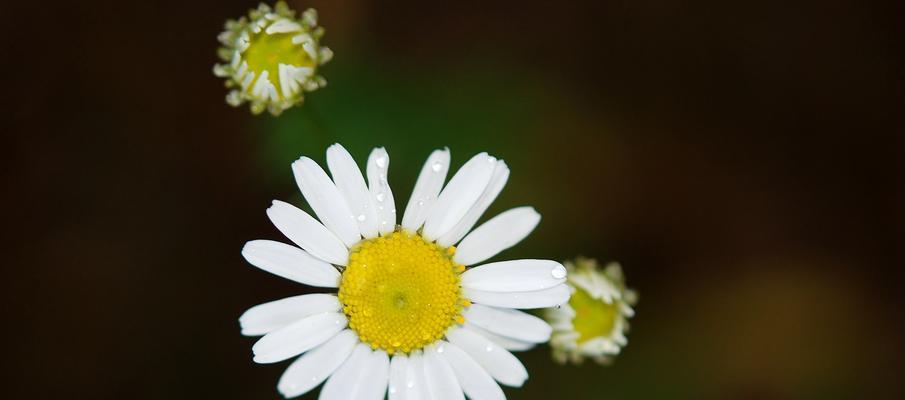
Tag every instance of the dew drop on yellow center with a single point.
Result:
(401, 292)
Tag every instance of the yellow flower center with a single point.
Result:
(593, 317)
(401, 292)
(266, 52)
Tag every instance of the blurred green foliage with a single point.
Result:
(368, 105)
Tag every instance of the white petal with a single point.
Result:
(396, 389)
(475, 381)
(441, 380)
(415, 382)
(537, 299)
(493, 189)
(343, 384)
(459, 195)
(508, 322)
(599, 345)
(268, 317)
(298, 337)
(374, 381)
(627, 310)
(499, 363)
(290, 262)
(505, 342)
(303, 230)
(497, 234)
(515, 276)
(283, 26)
(315, 366)
(326, 200)
(560, 318)
(381, 194)
(428, 186)
(352, 185)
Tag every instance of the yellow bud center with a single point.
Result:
(593, 317)
(401, 292)
(266, 52)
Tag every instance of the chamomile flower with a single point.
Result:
(271, 58)
(414, 317)
(594, 322)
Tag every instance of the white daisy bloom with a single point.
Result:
(415, 316)
(270, 58)
(594, 322)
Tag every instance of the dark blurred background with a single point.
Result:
(743, 160)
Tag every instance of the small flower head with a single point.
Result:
(270, 58)
(594, 322)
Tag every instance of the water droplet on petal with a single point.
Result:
(440, 348)
(361, 217)
(437, 166)
(558, 272)
(380, 196)
(381, 161)
(410, 384)
(489, 348)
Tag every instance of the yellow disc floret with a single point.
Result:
(267, 51)
(593, 317)
(401, 292)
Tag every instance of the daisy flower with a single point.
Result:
(594, 322)
(271, 58)
(414, 317)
